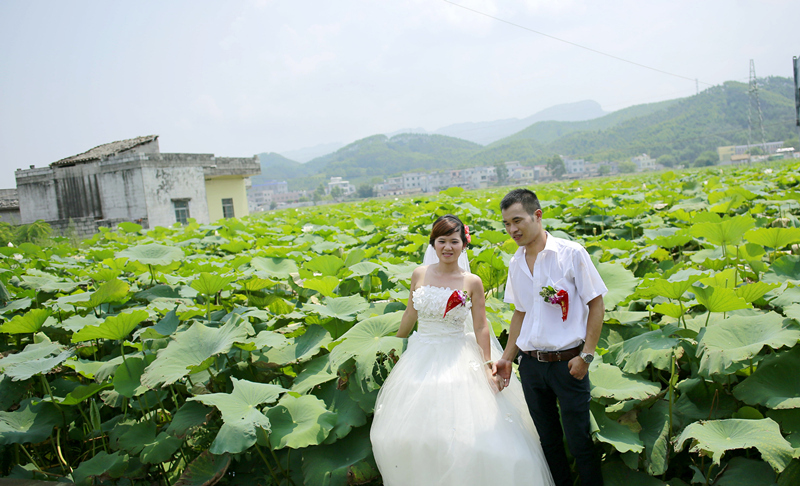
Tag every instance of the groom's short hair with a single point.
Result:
(526, 197)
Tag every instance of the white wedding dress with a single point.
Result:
(438, 420)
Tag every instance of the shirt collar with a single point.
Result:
(550, 244)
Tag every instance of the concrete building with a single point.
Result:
(9, 206)
(345, 188)
(574, 166)
(261, 196)
(131, 180)
(644, 162)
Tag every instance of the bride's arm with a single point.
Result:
(410, 315)
(479, 324)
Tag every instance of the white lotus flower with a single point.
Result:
(10, 245)
(705, 183)
(17, 256)
(766, 171)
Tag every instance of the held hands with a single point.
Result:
(502, 369)
(578, 367)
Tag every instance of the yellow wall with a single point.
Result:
(221, 188)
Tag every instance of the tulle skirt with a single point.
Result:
(438, 421)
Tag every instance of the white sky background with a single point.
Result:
(237, 78)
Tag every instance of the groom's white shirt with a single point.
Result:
(562, 264)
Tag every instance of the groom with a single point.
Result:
(556, 341)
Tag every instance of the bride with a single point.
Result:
(441, 418)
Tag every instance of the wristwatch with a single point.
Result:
(587, 357)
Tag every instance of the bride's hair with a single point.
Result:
(447, 225)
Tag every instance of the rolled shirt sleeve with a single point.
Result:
(588, 282)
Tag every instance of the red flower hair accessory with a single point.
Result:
(466, 232)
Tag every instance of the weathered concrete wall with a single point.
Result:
(77, 192)
(37, 195)
(163, 184)
(10, 215)
(220, 188)
(122, 194)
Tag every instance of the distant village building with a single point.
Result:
(741, 153)
(574, 167)
(644, 162)
(261, 196)
(345, 188)
(131, 180)
(9, 206)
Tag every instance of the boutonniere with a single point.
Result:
(557, 297)
(457, 298)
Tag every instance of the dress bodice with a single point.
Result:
(430, 303)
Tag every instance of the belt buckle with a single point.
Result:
(540, 356)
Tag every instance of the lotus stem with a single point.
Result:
(264, 458)
(707, 318)
(29, 457)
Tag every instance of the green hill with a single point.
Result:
(683, 128)
(277, 167)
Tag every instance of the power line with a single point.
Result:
(578, 45)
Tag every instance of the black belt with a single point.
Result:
(550, 356)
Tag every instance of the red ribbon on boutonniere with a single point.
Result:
(457, 298)
(557, 297)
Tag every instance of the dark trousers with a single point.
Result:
(547, 387)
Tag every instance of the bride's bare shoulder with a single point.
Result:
(473, 281)
(418, 276)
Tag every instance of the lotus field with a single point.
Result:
(250, 351)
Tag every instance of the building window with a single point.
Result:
(181, 210)
(227, 208)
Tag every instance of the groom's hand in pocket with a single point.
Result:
(503, 368)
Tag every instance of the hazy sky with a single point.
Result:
(236, 78)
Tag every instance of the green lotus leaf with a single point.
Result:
(299, 422)
(349, 414)
(617, 473)
(770, 385)
(672, 310)
(776, 238)
(741, 471)
(114, 328)
(784, 269)
(608, 381)
(28, 424)
(264, 339)
(303, 347)
(315, 372)
(675, 286)
(29, 322)
(792, 311)
(190, 416)
(754, 291)
(168, 324)
(190, 349)
(785, 297)
(701, 400)
(113, 465)
(727, 347)
(240, 414)
(211, 283)
(36, 358)
(624, 316)
(364, 341)
(401, 272)
(324, 285)
(723, 279)
(655, 437)
(620, 282)
(11, 392)
(364, 224)
(206, 470)
(158, 292)
(160, 449)
(127, 378)
(235, 246)
(719, 299)
(48, 284)
(348, 461)
(152, 254)
(789, 420)
(656, 347)
(364, 268)
(279, 268)
(136, 436)
(726, 232)
(344, 308)
(256, 284)
(112, 291)
(16, 305)
(611, 432)
(715, 437)
(667, 237)
(327, 265)
(129, 227)
(81, 393)
(77, 322)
